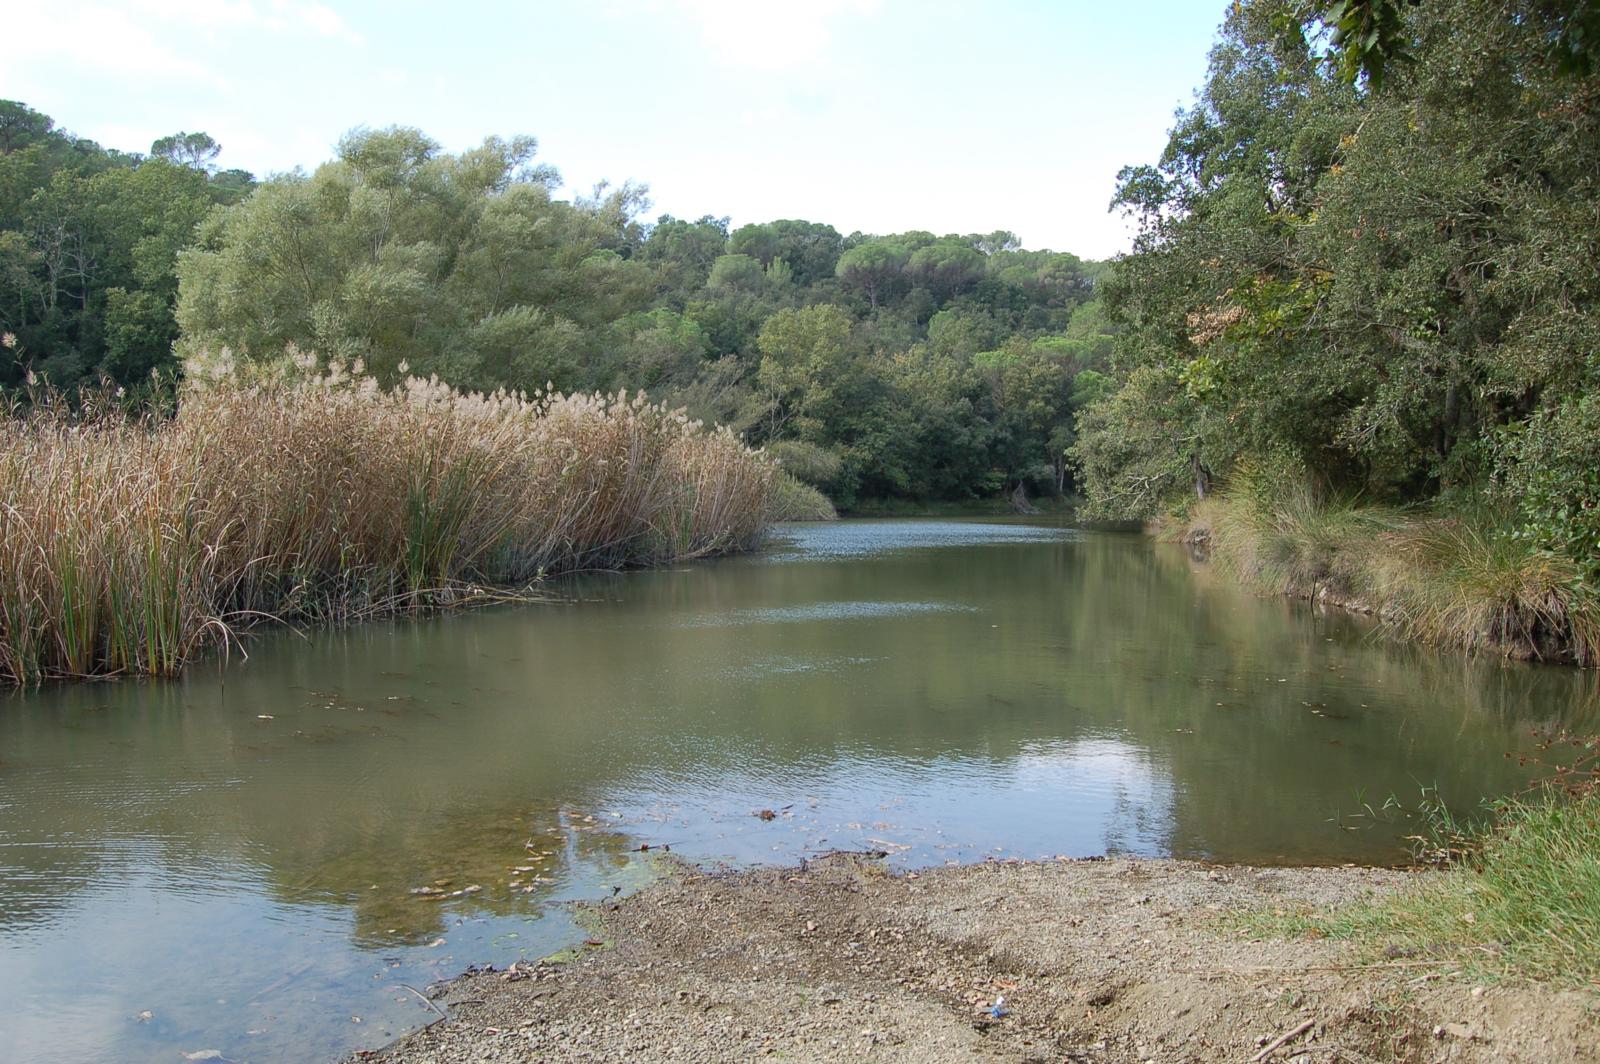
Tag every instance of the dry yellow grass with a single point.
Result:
(131, 546)
(1458, 578)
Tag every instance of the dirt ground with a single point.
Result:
(1117, 960)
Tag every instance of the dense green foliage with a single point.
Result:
(460, 265)
(1387, 289)
(88, 243)
(907, 365)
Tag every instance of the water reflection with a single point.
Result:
(258, 855)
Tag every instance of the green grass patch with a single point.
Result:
(1521, 903)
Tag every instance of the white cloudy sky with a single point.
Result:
(878, 115)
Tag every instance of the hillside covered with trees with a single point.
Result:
(903, 365)
(89, 242)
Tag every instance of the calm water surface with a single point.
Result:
(236, 861)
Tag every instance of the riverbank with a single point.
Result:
(134, 544)
(1115, 960)
(1455, 580)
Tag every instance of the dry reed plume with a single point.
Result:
(132, 545)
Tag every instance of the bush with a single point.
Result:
(795, 500)
(806, 462)
(1553, 470)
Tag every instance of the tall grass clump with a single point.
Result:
(1465, 579)
(1293, 540)
(1457, 576)
(131, 544)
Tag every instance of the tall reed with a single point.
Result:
(131, 545)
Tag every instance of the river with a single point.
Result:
(261, 858)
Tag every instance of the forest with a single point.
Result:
(905, 365)
(1390, 287)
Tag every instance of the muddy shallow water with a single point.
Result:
(260, 858)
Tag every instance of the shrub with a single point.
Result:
(1553, 470)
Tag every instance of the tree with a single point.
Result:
(21, 125)
(1029, 389)
(1367, 34)
(811, 249)
(1387, 290)
(398, 252)
(88, 246)
(803, 365)
(661, 349)
(945, 268)
(873, 267)
(194, 150)
(685, 251)
(737, 271)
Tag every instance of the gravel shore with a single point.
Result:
(1115, 960)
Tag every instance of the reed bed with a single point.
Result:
(130, 545)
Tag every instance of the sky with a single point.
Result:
(871, 115)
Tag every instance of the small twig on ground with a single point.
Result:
(426, 1001)
(1278, 1042)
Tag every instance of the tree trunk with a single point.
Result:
(1202, 475)
(1019, 500)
